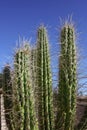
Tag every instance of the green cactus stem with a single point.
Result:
(7, 90)
(24, 109)
(67, 78)
(44, 82)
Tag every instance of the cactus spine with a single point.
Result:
(67, 78)
(24, 92)
(7, 89)
(44, 82)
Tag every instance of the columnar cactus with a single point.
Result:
(24, 113)
(33, 76)
(33, 67)
(7, 93)
(67, 78)
(44, 82)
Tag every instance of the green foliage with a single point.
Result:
(44, 82)
(67, 78)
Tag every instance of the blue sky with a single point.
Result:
(22, 17)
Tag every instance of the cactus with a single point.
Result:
(67, 78)
(44, 82)
(7, 89)
(33, 75)
(33, 67)
(24, 110)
